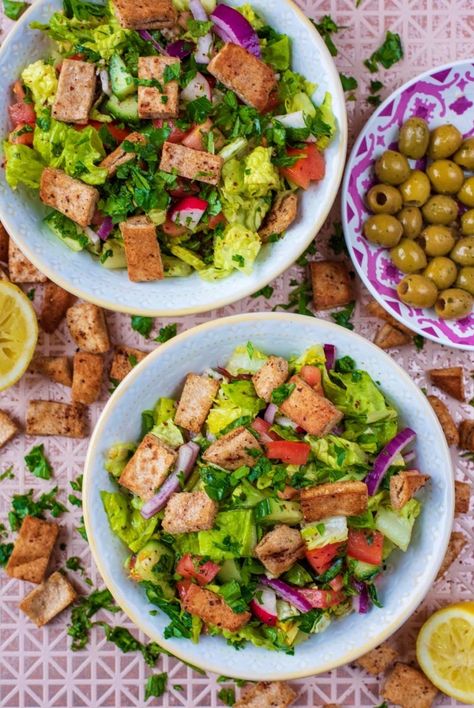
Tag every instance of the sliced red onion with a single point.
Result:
(197, 88)
(91, 234)
(385, 458)
(105, 228)
(105, 82)
(180, 49)
(288, 593)
(213, 374)
(144, 34)
(409, 456)
(231, 26)
(187, 456)
(198, 10)
(264, 606)
(270, 413)
(286, 422)
(262, 436)
(330, 354)
(361, 601)
(231, 377)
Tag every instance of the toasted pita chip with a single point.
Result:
(53, 418)
(274, 694)
(56, 302)
(4, 275)
(333, 499)
(149, 467)
(282, 214)
(444, 417)
(8, 428)
(404, 486)
(49, 599)
(70, 196)
(456, 543)
(56, 368)
(4, 240)
(450, 380)
(196, 401)
(466, 435)
(378, 660)
(125, 358)
(33, 548)
(332, 284)
(408, 687)
(376, 310)
(191, 164)
(76, 89)
(20, 269)
(145, 14)
(88, 327)
(87, 377)
(388, 337)
(462, 497)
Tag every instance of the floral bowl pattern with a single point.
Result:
(442, 95)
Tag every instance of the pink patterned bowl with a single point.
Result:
(442, 95)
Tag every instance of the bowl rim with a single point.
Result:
(130, 380)
(219, 301)
(413, 325)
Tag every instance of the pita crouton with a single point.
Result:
(4, 239)
(456, 543)
(33, 548)
(280, 217)
(88, 327)
(196, 400)
(191, 164)
(251, 79)
(388, 337)
(334, 499)
(4, 275)
(404, 486)
(8, 428)
(272, 374)
(450, 380)
(408, 687)
(332, 284)
(187, 512)
(445, 419)
(378, 660)
(149, 467)
(75, 94)
(142, 249)
(120, 156)
(212, 609)
(48, 600)
(466, 435)
(145, 14)
(274, 694)
(462, 497)
(56, 302)
(231, 451)
(70, 196)
(56, 368)
(280, 548)
(20, 269)
(87, 377)
(156, 102)
(331, 705)
(125, 358)
(53, 418)
(376, 310)
(312, 412)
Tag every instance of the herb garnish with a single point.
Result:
(298, 299)
(343, 317)
(326, 28)
(143, 325)
(13, 9)
(24, 505)
(156, 685)
(387, 54)
(37, 463)
(265, 292)
(281, 393)
(167, 332)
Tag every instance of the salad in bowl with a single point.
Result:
(167, 138)
(263, 502)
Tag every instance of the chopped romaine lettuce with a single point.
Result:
(118, 456)
(271, 638)
(357, 396)
(175, 267)
(169, 433)
(42, 81)
(237, 247)
(371, 438)
(234, 536)
(23, 165)
(333, 529)
(234, 400)
(208, 5)
(397, 526)
(314, 356)
(328, 118)
(65, 229)
(277, 53)
(242, 363)
(260, 174)
(337, 453)
(127, 522)
(165, 410)
(251, 16)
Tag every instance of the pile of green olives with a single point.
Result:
(425, 217)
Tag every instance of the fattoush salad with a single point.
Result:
(264, 502)
(167, 137)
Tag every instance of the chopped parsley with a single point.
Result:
(76, 484)
(83, 611)
(172, 72)
(6, 550)
(31, 294)
(166, 333)
(265, 292)
(74, 563)
(349, 83)
(37, 463)
(181, 624)
(13, 9)
(156, 685)
(227, 696)
(375, 86)
(199, 110)
(298, 299)
(337, 242)
(388, 54)
(8, 474)
(126, 642)
(326, 28)
(143, 325)
(343, 317)
(419, 342)
(374, 100)
(24, 505)
(281, 393)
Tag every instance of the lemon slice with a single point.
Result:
(445, 650)
(18, 333)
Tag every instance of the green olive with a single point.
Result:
(392, 167)
(384, 199)
(454, 303)
(416, 189)
(383, 229)
(440, 209)
(414, 138)
(412, 221)
(442, 271)
(465, 279)
(464, 157)
(408, 256)
(437, 240)
(467, 222)
(444, 141)
(418, 291)
(466, 193)
(463, 251)
(445, 176)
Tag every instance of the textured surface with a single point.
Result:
(36, 667)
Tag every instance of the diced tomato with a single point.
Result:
(77, 57)
(18, 91)
(320, 558)
(337, 583)
(184, 188)
(288, 451)
(322, 599)
(176, 135)
(21, 113)
(273, 102)
(312, 376)
(183, 587)
(172, 229)
(190, 567)
(22, 138)
(97, 218)
(215, 220)
(311, 166)
(365, 546)
(194, 139)
(263, 428)
(288, 493)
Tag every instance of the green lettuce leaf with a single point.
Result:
(397, 526)
(271, 638)
(371, 438)
(337, 453)
(165, 410)
(291, 85)
(277, 53)
(42, 81)
(236, 248)
(208, 5)
(251, 16)
(23, 166)
(357, 396)
(233, 536)
(234, 400)
(314, 356)
(126, 522)
(118, 456)
(260, 174)
(169, 433)
(246, 360)
(328, 118)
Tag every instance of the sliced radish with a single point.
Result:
(264, 606)
(292, 120)
(204, 44)
(189, 212)
(194, 139)
(197, 88)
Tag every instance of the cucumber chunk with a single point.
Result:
(277, 511)
(121, 81)
(126, 110)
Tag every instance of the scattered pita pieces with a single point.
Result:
(4, 239)
(388, 337)
(404, 486)
(33, 547)
(376, 310)
(378, 660)
(408, 687)
(125, 358)
(53, 418)
(49, 599)
(87, 377)
(450, 380)
(446, 420)
(88, 327)
(456, 543)
(332, 284)
(56, 302)
(56, 368)
(462, 497)
(8, 428)
(276, 694)
(20, 269)
(466, 435)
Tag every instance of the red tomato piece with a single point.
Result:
(215, 220)
(291, 452)
(20, 138)
(183, 586)
(19, 91)
(365, 546)
(118, 134)
(312, 375)
(263, 428)
(77, 57)
(320, 558)
(273, 102)
(184, 188)
(194, 139)
(190, 567)
(176, 135)
(322, 599)
(172, 229)
(311, 166)
(21, 113)
(337, 583)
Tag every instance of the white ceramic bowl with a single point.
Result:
(409, 575)
(22, 212)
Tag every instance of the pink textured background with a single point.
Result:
(36, 667)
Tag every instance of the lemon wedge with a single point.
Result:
(445, 650)
(18, 333)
